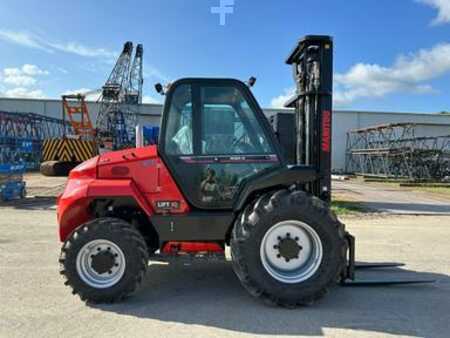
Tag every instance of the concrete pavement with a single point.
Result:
(393, 200)
(206, 300)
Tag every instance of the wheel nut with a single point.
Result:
(275, 246)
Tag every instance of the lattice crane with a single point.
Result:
(136, 79)
(111, 120)
(133, 93)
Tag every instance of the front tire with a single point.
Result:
(104, 260)
(288, 248)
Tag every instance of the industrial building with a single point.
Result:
(150, 114)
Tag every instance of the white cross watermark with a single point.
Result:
(225, 7)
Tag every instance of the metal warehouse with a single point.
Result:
(343, 121)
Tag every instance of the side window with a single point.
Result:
(229, 125)
(179, 138)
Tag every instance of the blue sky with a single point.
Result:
(389, 55)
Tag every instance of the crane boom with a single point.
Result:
(135, 82)
(120, 71)
(111, 120)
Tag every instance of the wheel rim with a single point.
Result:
(291, 251)
(101, 263)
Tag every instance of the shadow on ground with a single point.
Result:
(38, 203)
(210, 295)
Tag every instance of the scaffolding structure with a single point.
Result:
(395, 151)
(21, 136)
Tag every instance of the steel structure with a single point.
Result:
(21, 136)
(111, 120)
(74, 107)
(133, 93)
(121, 94)
(31, 126)
(136, 79)
(396, 151)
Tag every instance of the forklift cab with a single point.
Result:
(214, 136)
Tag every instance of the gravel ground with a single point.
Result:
(207, 300)
(41, 186)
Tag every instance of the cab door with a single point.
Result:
(214, 138)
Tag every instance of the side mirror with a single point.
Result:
(251, 81)
(159, 88)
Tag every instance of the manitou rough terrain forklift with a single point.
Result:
(220, 175)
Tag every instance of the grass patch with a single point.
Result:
(347, 207)
(436, 190)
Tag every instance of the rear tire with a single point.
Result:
(104, 260)
(288, 248)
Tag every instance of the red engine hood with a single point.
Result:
(138, 165)
(127, 156)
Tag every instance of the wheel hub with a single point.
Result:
(288, 247)
(103, 262)
(291, 251)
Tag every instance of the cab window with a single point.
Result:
(229, 125)
(179, 137)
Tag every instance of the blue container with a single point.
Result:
(11, 190)
(22, 151)
(151, 134)
(12, 185)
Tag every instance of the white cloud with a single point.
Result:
(81, 50)
(23, 39)
(33, 70)
(279, 101)
(22, 77)
(20, 92)
(443, 8)
(21, 81)
(407, 74)
(33, 41)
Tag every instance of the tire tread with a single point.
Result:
(116, 227)
(267, 206)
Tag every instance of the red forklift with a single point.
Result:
(221, 175)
